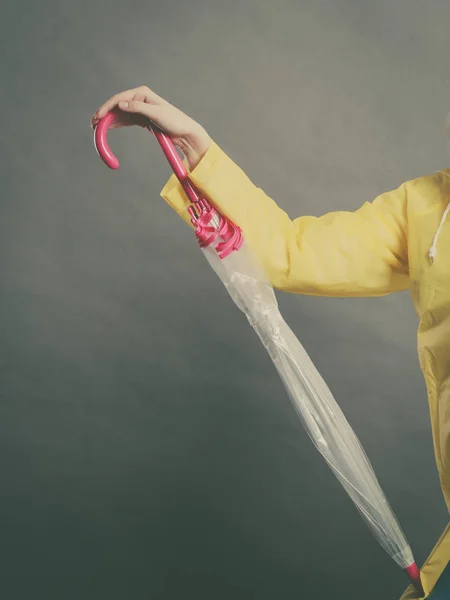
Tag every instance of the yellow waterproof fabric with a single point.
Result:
(378, 249)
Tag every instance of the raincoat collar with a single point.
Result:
(432, 252)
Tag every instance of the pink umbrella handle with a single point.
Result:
(101, 141)
(110, 159)
(202, 214)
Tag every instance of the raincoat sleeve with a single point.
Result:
(341, 254)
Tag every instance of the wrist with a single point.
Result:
(195, 145)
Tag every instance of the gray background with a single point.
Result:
(148, 449)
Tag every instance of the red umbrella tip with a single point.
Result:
(414, 576)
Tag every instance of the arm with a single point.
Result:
(361, 253)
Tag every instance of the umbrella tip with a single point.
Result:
(413, 573)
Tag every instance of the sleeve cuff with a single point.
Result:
(173, 192)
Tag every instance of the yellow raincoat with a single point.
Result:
(400, 241)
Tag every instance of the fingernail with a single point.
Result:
(123, 104)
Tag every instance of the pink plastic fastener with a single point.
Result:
(202, 213)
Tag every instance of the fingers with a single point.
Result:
(107, 106)
(151, 111)
(142, 93)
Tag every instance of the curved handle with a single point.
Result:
(101, 141)
(109, 158)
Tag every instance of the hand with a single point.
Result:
(140, 105)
